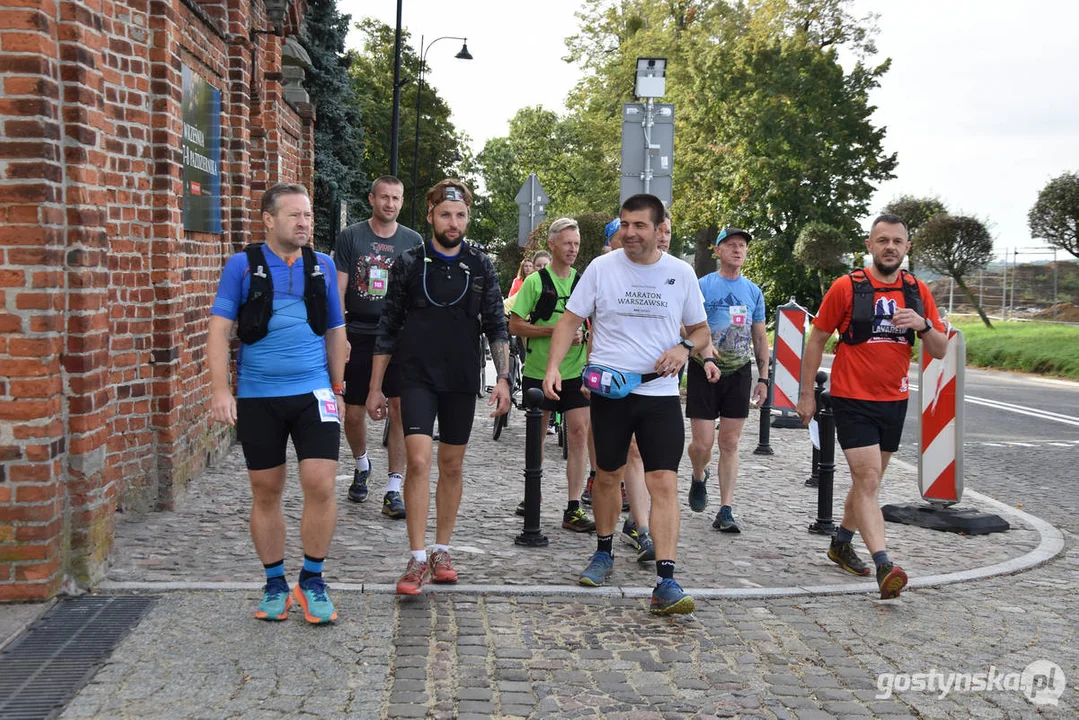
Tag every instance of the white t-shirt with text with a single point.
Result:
(637, 312)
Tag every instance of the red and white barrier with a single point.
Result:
(787, 352)
(940, 426)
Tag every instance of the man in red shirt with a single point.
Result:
(878, 312)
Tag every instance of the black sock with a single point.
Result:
(842, 535)
(605, 543)
(880, 558)
(573, 506)
(665, 569)
(312, 567)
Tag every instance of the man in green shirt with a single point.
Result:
(538, 305)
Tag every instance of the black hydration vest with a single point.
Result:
(469, 260)
(864, 309)
(548, 299)
(254, 316)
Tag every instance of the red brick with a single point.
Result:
(39, 532)
(23, 20)
(26, 42)
(36, 493)
(37, 571)
(29, 513)
(37, 388)
(39, 301)
(12, 278)
(34, 347)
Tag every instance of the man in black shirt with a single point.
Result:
(441, 295)
(364, 254)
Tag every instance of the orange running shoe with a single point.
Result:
(441, 569)
(415, 577)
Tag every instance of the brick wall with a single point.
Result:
(104, 298)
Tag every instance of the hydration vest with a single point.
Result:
(254, 316)
(864, 308)
(548, 299)
(471, 300)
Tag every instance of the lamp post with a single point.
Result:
(396, 122)
(462, 55)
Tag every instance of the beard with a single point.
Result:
(886, 269)
(448, 242)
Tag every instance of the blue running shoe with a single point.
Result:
(357, 492)
(698, 492)
(393, 505)
(311, 596)
(275, 601)
(669, 599)
(599, 568)
(725, 521)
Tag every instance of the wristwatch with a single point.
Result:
(687, 344)
(762, 380)
(927, 328)
(710, 360)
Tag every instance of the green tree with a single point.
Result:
(339, 132)
(1055, 215)
(956, 246)
(822, 248)
(442, 150)
(915, 211)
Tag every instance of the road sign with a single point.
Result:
(532, 199)
(647, 150)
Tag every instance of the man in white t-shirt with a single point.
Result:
(638, 297)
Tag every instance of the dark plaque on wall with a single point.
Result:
(201, 109)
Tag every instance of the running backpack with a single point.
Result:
(253, 321)
(469, 259)
(864, 308)
(548, 299)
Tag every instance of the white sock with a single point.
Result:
(419, 555)
(362, 463)
(441, 548)
(393, 484)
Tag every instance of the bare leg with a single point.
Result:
(664, 524)
(396, 454)
(267, 519)
(862, 507)
(448, 492)
(730, 430)
(700, 445)
(417, 488)
(607, 500)
(319, 506)
(577, 422)
(636, 489)
(356, 429)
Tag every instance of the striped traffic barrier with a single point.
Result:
(787, 366)
(940, 427)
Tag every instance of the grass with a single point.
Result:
(1032, 347)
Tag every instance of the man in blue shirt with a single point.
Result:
(290, 369)
(735, 308)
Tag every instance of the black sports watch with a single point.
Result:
(927, 328)
(687, 344)
(762, 380)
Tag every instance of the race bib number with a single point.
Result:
(327, 405)
(379, 281)
(739, 314)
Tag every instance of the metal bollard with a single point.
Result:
(534, 434)
(763, 443)
(823, 525)
(814, 478)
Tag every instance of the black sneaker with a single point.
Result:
(577, 521)
(358, 491)
(725, 521)
(844, 556)
(393, 505)
(630, 535)
(520, 511)
(646, 549)
(698, 492)
(891, 579)
(586, 496)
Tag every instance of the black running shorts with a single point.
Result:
(728, 397)
(862, 423)
(656, 421)
(455, 412)
(358, 371)
(264, 425)
(570, 398)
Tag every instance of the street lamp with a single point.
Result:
(464, 54)
(396, 122)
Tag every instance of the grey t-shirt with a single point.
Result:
(367, 258)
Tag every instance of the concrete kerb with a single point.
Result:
(1051, 543)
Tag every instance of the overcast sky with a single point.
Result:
(980, 103)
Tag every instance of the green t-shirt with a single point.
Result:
(524, 303)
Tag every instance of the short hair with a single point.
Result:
(666, 213)
(385, 180)
(645, 201)
(561, 224)
(539, 254)
(890, 219)
(449, 189)
(269, 198)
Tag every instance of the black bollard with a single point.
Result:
(534, 434)
(823, 524)
(763, 443)
(814, 478)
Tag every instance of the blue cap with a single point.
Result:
(611, 228)
(731, 232)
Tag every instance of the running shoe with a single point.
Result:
(577, 521)
(630, 535)
(586, 496)
(311, 596)
(891, 579)
(725, 521)
(358, 491)
(415, 577)
(520, 511)
(441, 568)
(393, 505)
(670, 599)
(275, 600)
(698, 492)
(598, 570)
(844, 556)
(646, 549)
(625, 499)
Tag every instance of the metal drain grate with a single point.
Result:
(43, 669)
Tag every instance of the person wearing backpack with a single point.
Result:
(540, 302)
(283, 298)
(878, 311)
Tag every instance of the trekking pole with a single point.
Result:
(763, 446)
(534, 434)
(814, 477)
(823, 525)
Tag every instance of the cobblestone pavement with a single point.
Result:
(199, 654)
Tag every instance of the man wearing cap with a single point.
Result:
(442, 294)
(735, 307)
(610, 230)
